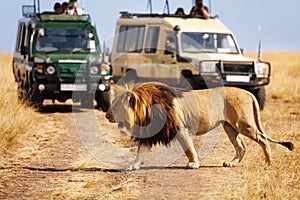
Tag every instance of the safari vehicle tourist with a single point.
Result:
(59, 57)
(200, 10)
(181, 49)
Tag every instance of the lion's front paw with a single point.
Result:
(193, 165)
(229, 164)
(135, 166)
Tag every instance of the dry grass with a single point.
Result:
(16, 118)
(282, 179)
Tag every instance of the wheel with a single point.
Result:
(21, 95)
(260, 95)
(103, 100)
(186, 80)
(35, 98)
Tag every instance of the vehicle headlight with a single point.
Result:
(50, 69)
(40, 68)
(208, 67)
(105, 70)
(263, 68)
(94, 70)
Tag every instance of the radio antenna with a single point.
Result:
(259, 51)
(259, 44)
(36, 4)
(167, 6)
(83, 6)
(210, 7)
(150, 5)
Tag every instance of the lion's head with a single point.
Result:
(147, 111)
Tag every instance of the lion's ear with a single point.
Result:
(131, 99)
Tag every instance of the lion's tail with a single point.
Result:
(288, 145)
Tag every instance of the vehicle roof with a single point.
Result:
(63, 17)
(186, 23)
(49, 17)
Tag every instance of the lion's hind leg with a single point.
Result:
(256, 135)
(238, 144)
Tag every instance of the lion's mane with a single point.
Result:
(141, 106)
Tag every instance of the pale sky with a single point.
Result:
(278, 20)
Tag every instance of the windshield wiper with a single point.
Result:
(80, 50)
(58, 50)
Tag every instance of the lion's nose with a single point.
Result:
(107, 115)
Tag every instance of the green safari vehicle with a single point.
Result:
(59, 57)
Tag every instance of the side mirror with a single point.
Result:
(24, 50)
(242, 51)
(107, 51)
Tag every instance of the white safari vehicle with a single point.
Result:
(184, 51)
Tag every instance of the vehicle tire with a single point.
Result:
(35, 98)
(21, 95)
(186, 80)
(103, 100)
(260, 95)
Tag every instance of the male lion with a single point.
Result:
(154, 113)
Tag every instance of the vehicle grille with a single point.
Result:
(69, 72)
(236, 67)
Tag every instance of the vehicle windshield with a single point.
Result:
(65, 39)
(208, 43)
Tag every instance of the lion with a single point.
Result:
(177, 113)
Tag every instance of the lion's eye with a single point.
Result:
(115, 106)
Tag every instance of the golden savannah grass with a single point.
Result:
(285, 74)
(16, 118)
(282, 179)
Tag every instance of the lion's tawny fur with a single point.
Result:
(143, 107)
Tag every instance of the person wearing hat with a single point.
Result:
(200, 10)
(179, 11)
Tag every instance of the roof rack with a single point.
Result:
(125, 14)
(49, 16)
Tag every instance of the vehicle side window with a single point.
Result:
(130, 39)
(151, 39)
(21, 39)
(170, 46)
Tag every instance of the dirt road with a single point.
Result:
(58, 161)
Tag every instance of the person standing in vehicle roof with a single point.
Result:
(179, 11)
(65, 7)
(57, 8)
(200, 10)
(73, 10)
